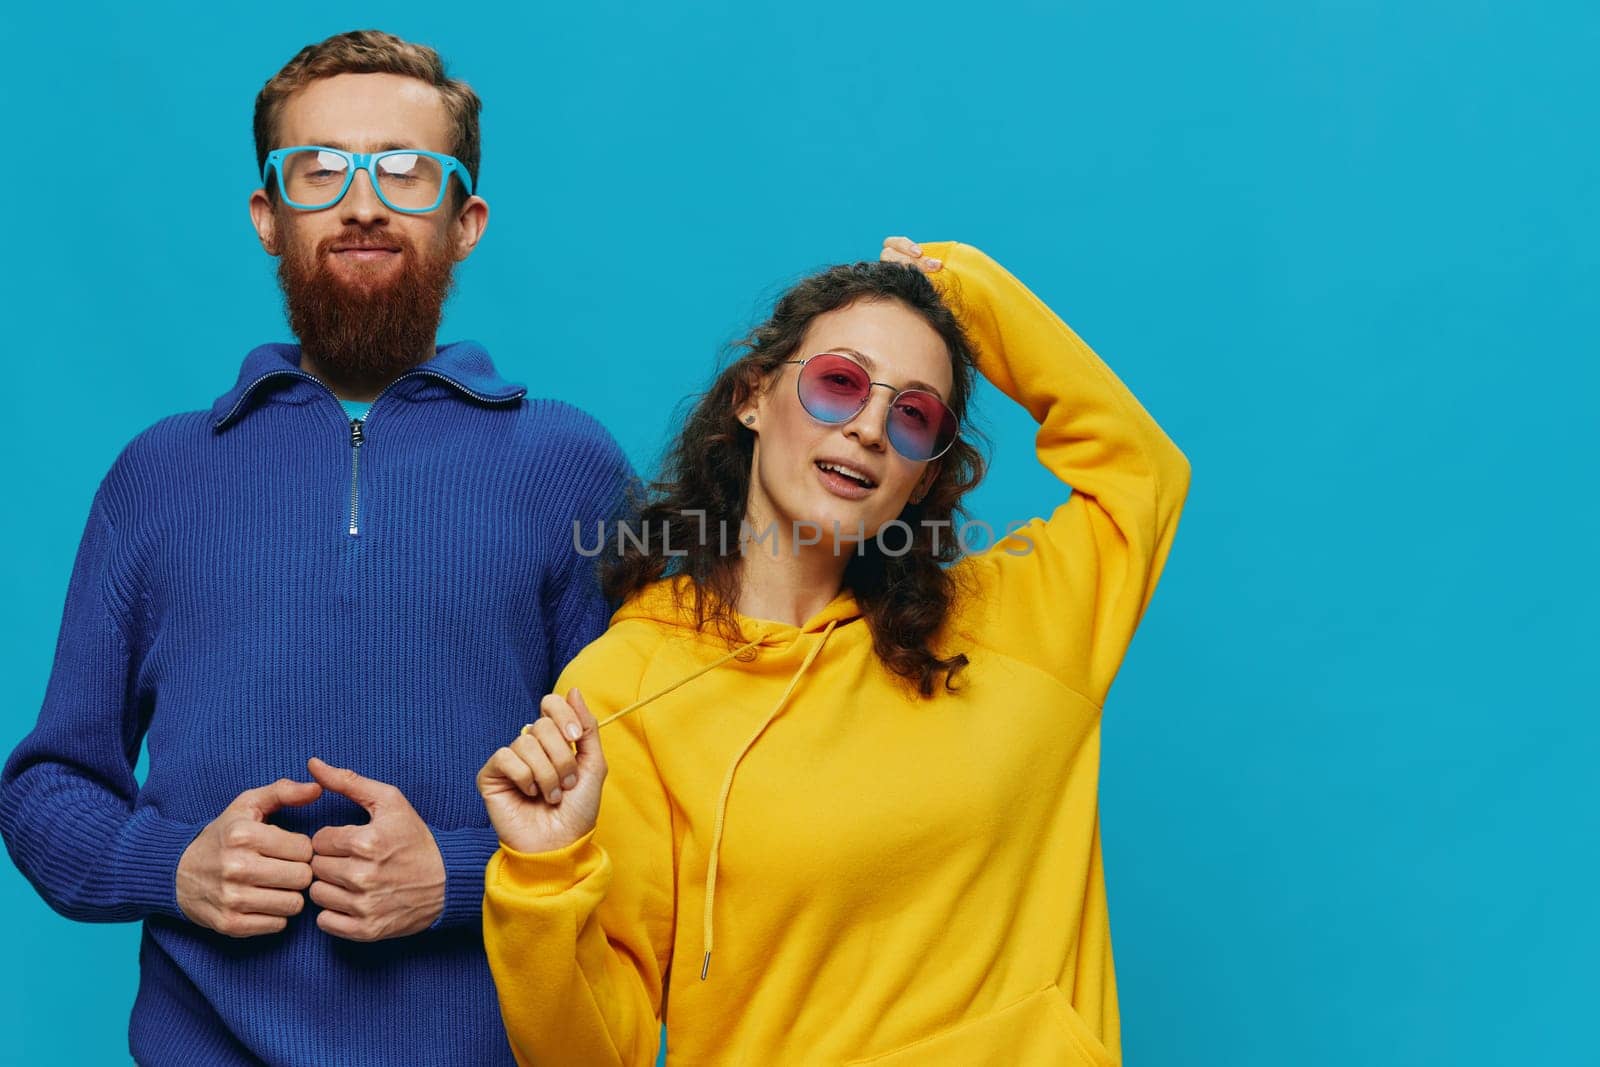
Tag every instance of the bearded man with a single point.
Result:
(317, 604)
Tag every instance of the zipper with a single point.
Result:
(357, 426)
(355, 477)
(358, 436)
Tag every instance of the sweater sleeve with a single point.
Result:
(580, 939)
(597, 475)
(465, 851)
(1065, 593)
(576, 612)
(68, 796)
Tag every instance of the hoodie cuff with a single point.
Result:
(547, 873)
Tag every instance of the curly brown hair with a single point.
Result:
(705, 481)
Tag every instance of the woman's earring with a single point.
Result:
(749, 420)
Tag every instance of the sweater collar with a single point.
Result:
(462, 365)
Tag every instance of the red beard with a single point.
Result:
(366, 322)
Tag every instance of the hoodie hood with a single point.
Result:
(671, 601)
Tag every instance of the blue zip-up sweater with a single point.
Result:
(262, 583)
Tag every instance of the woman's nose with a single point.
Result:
(868, 425)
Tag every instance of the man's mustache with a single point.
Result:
(351, 240)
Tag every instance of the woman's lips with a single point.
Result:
(839, 485)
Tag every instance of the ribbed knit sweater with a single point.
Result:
(261, 583)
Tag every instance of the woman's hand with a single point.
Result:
(905, 250)
(542, 795)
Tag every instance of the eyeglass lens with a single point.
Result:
(409, 181)
(834, 388)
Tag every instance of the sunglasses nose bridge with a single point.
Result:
(870, 423)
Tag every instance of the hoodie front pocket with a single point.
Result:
(1040, 1029)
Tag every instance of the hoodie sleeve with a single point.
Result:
(68, 794)
(580, 939)
(1065, 593)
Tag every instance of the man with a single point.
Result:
(362, 553)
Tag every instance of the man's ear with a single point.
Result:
(265, 219)
(470, 222)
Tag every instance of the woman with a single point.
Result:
(872, 777)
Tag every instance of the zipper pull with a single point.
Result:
(355, 476)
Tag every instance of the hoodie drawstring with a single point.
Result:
(727, 786)
(727, 781)
(685, 680)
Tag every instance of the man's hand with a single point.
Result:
(384, 879)
(243, 877)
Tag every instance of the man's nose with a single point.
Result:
(361, 204)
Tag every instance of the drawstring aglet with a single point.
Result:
(705, 966)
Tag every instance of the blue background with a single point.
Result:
(1344, 252)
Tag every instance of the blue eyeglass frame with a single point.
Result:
(367, 161)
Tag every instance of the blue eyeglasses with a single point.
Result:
(408, 180)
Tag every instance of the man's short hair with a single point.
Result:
(369, 52)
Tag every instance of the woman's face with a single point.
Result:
(789, 483)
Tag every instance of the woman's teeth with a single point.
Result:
(854, 475)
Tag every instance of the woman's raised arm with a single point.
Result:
(1067, 592)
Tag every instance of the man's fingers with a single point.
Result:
(368, 792)
(237, 925)
(346, 873)
(277, 843)
(331, 897)
(277, 902)
(280, 874)
(903, 245)
(284, 793)
(235, 902)
(338, 924)
(342, 841)
(242, 867)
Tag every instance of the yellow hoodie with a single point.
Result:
(890, 880)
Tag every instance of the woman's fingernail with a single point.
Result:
(554, 796)
(916, 249)
(574, 731)
(569, 781)
(935, 263)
